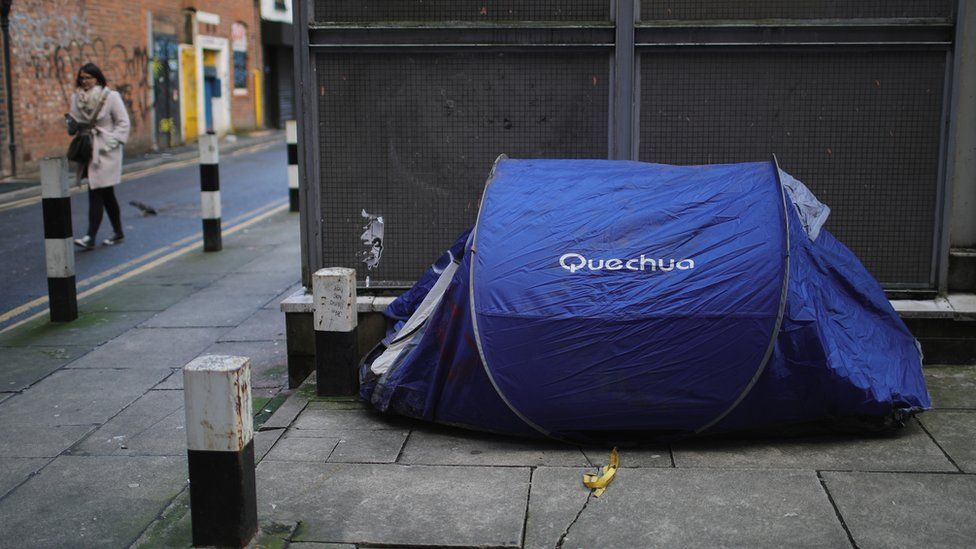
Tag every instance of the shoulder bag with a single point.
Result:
(81, 148)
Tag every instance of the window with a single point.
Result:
(238, 37)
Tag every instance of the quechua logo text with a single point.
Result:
(574, 262)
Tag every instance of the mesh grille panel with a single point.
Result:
(860, 129)
(413, 137)
(376, 11)
(692, 10)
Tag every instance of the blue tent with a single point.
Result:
(598, 300)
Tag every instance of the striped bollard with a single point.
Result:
(220, 450)
(291, 137)
(58, 246)
(210, 192)
(336, 334)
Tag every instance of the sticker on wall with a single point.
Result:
(372, 239)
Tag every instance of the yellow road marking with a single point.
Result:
(159, 261)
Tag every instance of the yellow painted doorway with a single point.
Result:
(188, 81)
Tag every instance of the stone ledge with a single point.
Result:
(955, 306)
(301, 302)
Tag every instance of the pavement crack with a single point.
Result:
(837, 513)
(565, 534)
(939, 445)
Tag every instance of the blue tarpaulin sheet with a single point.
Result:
(598, 299)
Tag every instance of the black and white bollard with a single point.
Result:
(336, 335)
(58, 246)
(210, 192)
(220, 450)
(291, 137)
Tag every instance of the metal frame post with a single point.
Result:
(310, 217)
(622, 116)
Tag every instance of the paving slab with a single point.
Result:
(24, 366)
(90, 329)
(14, 471)
(173, 382)
(232, 257)
(151, 348)
(81, 501)
(687, 508)
(649, 456)
(22, 440)
(275, 302)
(298, 448)
(264, 441)
(341, 446)
(395, 504)
(557, 495)
(955, 432)
(910, 449)
(324, 416)
(269, 360)
(951, 386)
(312, 545)
(153, 425)
(885, 510)
(210, 308)
(78, 397)
(263, 325)
(273, 261)
(173, 278)
(433, 445)
(286, 413)
(265, 283)
(132, 296)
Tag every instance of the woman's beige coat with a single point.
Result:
(111, 121)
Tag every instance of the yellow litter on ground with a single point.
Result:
(599, 483)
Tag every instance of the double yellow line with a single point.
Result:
(137, 265)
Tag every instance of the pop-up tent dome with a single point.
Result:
(602, 299)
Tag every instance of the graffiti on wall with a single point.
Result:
(126, 68)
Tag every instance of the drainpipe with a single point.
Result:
(5, 25)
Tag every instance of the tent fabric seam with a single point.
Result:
(779, 317)
(474, 313)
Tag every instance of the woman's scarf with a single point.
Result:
(88, 100)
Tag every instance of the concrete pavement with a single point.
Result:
(92, 446)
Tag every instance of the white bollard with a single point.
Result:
(58, 246)
(291, 138)
(336, 334)
(220, 450)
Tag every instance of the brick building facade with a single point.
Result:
(181, 66)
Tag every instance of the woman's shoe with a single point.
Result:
(85, 243)
(113, 240)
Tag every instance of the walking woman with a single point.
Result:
(99, 110)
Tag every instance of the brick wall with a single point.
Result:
(51, 39)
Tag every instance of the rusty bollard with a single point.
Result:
(220, 450)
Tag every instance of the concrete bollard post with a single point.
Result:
(291, 137)
(210, 192)
(336, 335)
(220, 450)
(58, 246)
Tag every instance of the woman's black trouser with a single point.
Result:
(103, 199)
